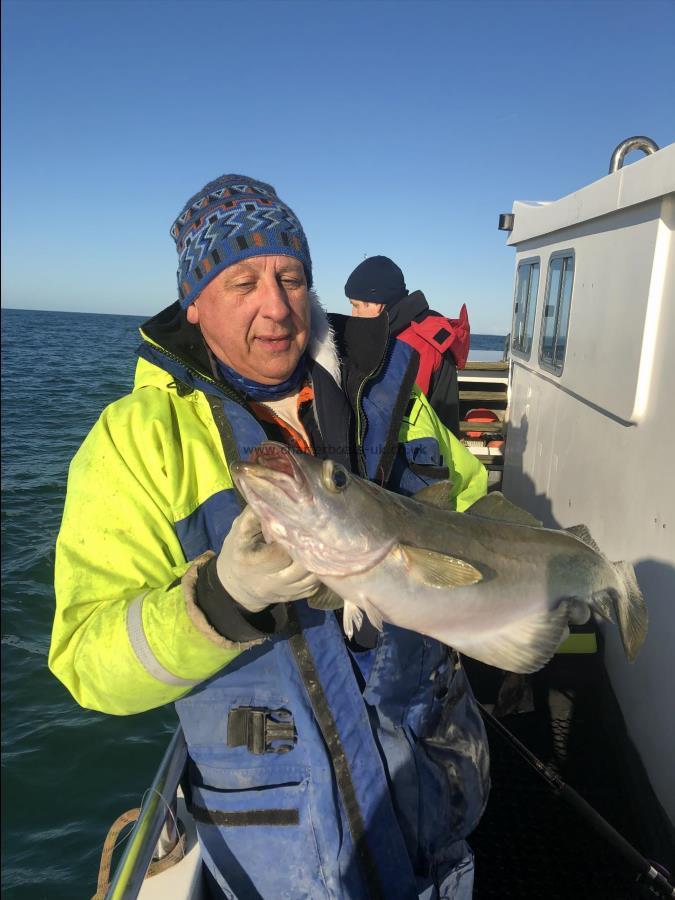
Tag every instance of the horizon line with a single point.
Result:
(82, 312)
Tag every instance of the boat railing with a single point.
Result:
(155, 832)
(639, 142)
(483, 411)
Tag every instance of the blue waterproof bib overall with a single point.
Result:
(318, 772)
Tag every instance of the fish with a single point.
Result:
(491, 582)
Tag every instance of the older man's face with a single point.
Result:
(254, 315)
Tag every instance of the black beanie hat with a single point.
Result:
(376, 280)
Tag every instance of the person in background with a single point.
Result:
(317, 766)
(376, 285)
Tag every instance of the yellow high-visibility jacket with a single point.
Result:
(127, 633)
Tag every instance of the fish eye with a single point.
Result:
(334, 476)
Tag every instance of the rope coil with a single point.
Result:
(156, 866)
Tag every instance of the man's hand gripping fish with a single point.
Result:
(490, 582)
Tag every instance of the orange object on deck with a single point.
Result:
(479, 415)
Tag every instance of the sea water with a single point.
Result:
(67, 772)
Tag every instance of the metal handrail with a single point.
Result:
(638, 142)
(158, 800)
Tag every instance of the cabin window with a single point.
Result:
(556, 315)
(527, 284)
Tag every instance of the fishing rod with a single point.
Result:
(650, 877)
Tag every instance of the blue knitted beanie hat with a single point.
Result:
(230, 219)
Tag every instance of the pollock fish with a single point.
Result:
(490, 582)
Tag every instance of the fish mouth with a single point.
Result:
(271, 465)
(276, 483)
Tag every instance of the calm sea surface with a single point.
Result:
(67, 773)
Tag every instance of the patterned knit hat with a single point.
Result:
(231, 219)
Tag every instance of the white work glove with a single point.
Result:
(255, 573)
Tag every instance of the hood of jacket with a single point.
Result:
(405, 311)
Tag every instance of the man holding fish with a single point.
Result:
(328, 758)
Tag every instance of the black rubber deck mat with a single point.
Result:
(530, 844)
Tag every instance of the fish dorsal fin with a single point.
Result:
(582, 532)
(439, 494)
(325, 598)
(438, 569)
(496, 506)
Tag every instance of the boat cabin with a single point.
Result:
(590, 420)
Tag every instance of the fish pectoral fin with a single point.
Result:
(523, 646)
(439, 494)
(438, 569)
(495, 506)
(325, 598)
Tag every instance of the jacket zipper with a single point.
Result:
(227, 392)
(361, 413)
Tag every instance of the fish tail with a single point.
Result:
(630, 609)
(604, 603)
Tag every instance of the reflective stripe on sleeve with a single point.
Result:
(143, 651)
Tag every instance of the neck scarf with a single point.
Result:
(256, 391)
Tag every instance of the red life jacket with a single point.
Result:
(432, 337)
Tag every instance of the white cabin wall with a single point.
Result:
(573, 456)
(607, 313)
(646, 690)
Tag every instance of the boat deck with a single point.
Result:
(530, 844)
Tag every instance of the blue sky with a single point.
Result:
(401, 128)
